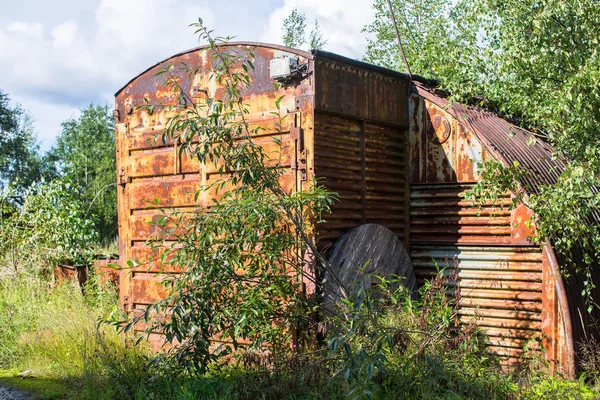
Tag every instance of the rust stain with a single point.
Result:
(401, 161)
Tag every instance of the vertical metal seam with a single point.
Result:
(363, 172)
(407, 217)
(563, 303)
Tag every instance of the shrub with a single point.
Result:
(45, 227)
(241, 258)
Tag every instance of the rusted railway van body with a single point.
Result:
(396, 154)
(345, 122)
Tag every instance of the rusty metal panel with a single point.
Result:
(365, 164)
(442, 150)
(505, 141)
(154, 174)
(486, 136)
(500, 273)
(105, 274)
(386, 183)
(441, 214)
(339, 166)
(360, 90)
(500, 288)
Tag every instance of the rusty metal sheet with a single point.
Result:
(500, 272)
(500, 289)
(442, 150)
(365, 164)
(105, 273)
(64, 272)
(482, 135)
(440, 214)
(154, 173)
(359, 90)
(338, 164)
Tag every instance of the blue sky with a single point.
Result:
(58, 56)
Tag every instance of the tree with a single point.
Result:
(316, 39)
(20, 161)
(85, 155)
(294, 26)
(535, 62)
(294, 32)
(48, 228)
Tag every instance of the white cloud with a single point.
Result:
(48, 115)
(341, 22)
(67, 65)
(54, 63)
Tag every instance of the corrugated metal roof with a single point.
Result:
(506, 141)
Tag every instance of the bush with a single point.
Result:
(45, 227)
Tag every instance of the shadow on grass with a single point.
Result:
(42, 388)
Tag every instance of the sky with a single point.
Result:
(61, 55)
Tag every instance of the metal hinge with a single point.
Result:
(123, 179)
(297, 135)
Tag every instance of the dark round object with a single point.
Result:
(368, 251)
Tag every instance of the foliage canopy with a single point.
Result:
(20, 161)
(294, 32)
(533, 62)
(85, 155)
(48, 228)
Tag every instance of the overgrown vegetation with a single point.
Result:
(52, 334)
(48, 228)
(85, 156)
(76, 357)
(241, 255)
(243, 263)
(82, 162)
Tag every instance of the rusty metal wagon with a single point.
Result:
(397, 153)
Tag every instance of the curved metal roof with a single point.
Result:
(506, 141)
(301, 53)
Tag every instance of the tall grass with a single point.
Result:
(54, 333)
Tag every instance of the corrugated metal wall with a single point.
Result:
(500, 286)
(361, 145)
(500, 271)
(365, 164)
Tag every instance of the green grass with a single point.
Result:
(43, 388)
(54, 333)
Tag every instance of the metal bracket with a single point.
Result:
(301, 164)
(123, 179)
